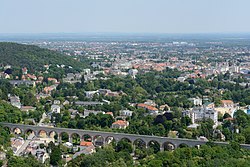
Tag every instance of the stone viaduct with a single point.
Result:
(163, 142)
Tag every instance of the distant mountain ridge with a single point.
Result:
(33, 57)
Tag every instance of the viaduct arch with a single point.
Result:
(162, 141)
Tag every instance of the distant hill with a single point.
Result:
(33, 57)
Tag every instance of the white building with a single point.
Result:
(234, 69)
(57, 102)
(90, 94)
(133, 72)
(55, 108)
(15, 101)
(87, 71)
(197, 114)
(196, 101)
(126, 113)
(181, 79)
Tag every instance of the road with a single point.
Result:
(25, 144)
(23, 147)
(44, 116)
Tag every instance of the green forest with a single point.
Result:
(33, 57)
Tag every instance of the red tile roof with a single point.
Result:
(121, 122)
(86, 143)
(151, 108)
(227, 101)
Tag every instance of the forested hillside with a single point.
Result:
(33, 57)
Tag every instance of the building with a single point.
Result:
(209, 105)
(126, 113)
(57, 102)
(42, 155)
(120, 124)
(68, 144)
(20, 82)
(87, 71)
(16, 143)
(24, 71)
(164, 107)
(87, 112)
(55, 108)
(85, 148)
(181, 79)
(88, 103)
(200, 113)
(53, 80)
(15, 101)
(196, 101)
(86, 143)
(133, 72)
(151, 109)
(2, 156)
(227, 103)
(28, 108)
(90, 94)
(110, 113)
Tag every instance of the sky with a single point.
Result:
(124, 16)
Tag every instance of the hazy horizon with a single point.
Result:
(112, 16)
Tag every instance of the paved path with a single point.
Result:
(25, 144)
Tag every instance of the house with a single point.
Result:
(120, 124)
(53, 80)
(87, 112)
(73, 112)
(5, 76)
(164, 107)
(126, 113)
(88, 103)
(150, 103)
(90, 94)
(202, 138)
(16, 143)
(41, 155)
(110, 113)
(55, 108)
(181, 79)
(112, 94)
(68, 144)
(151, 109)
(24, 71)
(2, 156)
(196, 101)
(15, 101)
(66, 102)
(89, 149)
(41, 96)
(7, 67)
(209, 105)
(66, 158)
(20, 82)
(223, 110)
(227, 103)
(28, 108)
(57, 102)
(86, 143)
(103, 91)
(87, 71)
(133, 72)
(199, 113)
(32, 77)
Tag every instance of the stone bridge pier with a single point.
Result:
(102, 138)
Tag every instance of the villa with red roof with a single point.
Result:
(120, 124)
(151, 109)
